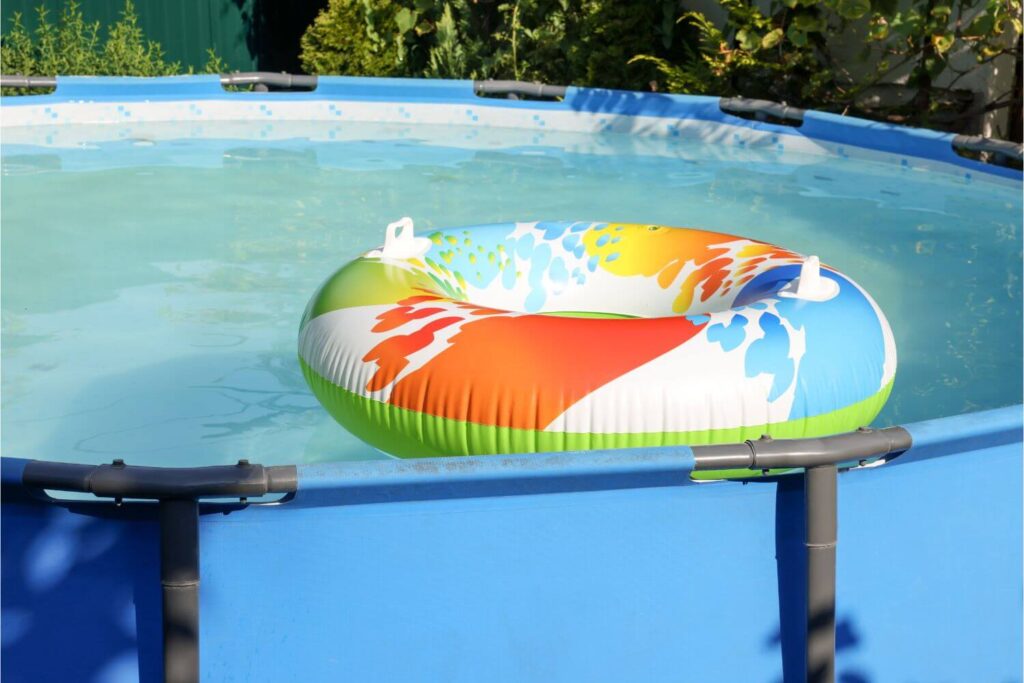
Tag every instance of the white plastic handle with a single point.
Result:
(391, 235)
(810, 285)
(400, 242)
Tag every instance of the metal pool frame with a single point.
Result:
(181, 494)
(178, 492)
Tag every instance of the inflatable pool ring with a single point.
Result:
(553, 336)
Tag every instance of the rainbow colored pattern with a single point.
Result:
(561, 335)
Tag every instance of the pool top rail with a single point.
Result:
(118, 480)
(178, 491)
(981, 152)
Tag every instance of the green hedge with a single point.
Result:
(586, 42)
(783, 50)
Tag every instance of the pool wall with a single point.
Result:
(134, 103)
(368, 573)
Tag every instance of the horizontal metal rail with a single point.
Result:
(27, 81)
(245, 480)
(178, 491)
(519, 88)
(1000, 152)
(762, 110)
(289, 81)
(118, 480)
(767, 453)
(254, 78)
(286, 81)
(266, 79)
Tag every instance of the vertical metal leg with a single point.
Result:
(179, 579)
(821, 533)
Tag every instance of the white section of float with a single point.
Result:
(334, 344)
(694, 387)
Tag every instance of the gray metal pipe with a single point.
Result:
(767, 453)
(119, 480)
(1003, 151)
(16, 81)
(269, 78)
(178, 488)
(820, 537)
(820, 457)
(732, 456)
(518, 88)
(761, 109)
(179, 583)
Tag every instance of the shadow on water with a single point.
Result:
(791, 562)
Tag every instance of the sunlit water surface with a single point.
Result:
(152, 290)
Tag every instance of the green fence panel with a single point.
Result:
(247, 34)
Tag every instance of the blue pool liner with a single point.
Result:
(841, 131)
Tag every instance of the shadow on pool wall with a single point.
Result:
(82, 598)
(81, 593)
(700, 579)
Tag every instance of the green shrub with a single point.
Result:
(72, 46)
(611, 33)
(786, 54)
(354, 37)
(126, 51)
(584, 42)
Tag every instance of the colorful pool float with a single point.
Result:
(561, 335)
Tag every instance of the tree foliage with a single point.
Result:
(784, 50)
(787, 53)
(355, 38)
(586, 42)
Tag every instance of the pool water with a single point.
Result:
(152, 288)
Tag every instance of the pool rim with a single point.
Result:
(93, 99)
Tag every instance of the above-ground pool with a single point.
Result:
(161, 238)
(157, 256)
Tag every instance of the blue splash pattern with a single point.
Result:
(486, 254)
(728, 336)
(770, 355)
(844, 356)
(539, 262)
(479, 256)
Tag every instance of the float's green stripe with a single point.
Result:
(589, 314)
(410, 434)
(366, 282)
